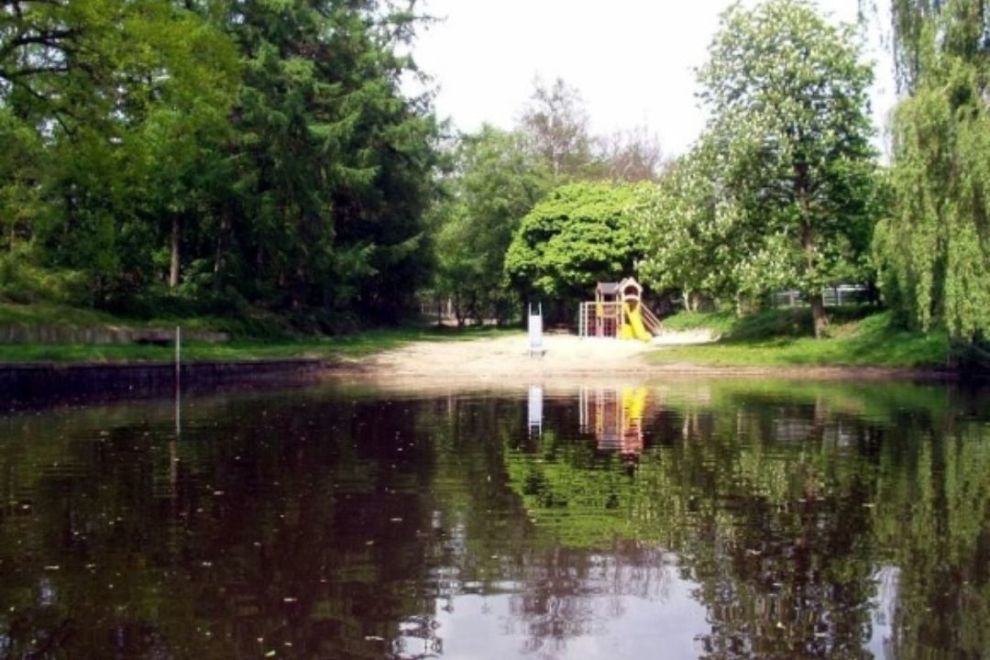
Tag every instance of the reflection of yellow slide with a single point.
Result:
(632, 323)
(633, 404)
(633, 407)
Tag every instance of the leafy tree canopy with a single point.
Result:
(496, 181)
(578, 235)
(787, 96)
(934, 249)
(218, 153)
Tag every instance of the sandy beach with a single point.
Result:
(506, 360)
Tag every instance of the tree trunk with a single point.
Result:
(219, 256)
(173, 271)
(809, 245)
(458, 311)
(818, 314)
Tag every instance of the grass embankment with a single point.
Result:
(858, 336)
(250, 340)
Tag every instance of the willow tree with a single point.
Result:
(787, 95)
(934, 249)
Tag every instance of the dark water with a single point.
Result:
(694, 519)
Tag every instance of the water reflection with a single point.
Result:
(615, 416)
(735, 519)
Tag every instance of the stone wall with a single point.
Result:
(13, 333)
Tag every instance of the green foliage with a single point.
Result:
(22, 281)
(932, 251)
(690, 230)
(781, 191)
(495, 182)
(578, 235)
(218, 155)
(719, 322)
(21, 168)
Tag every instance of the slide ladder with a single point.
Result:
(650, 320)
(638, 322)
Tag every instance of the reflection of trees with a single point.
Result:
(557, 591)
(783, 503)
(567, 593)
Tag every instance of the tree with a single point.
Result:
(633, 155)
(691, 246)
(556, 123)
(332, 165)
(496, 181)
(933, 250)
(218, 152)
(787, 95)
(578, 235)
(96, 82)
(21, 171)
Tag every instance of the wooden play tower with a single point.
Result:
(618, 311)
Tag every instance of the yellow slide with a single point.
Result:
(632, 323)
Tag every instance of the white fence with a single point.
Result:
(833, 296)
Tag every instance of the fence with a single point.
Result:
(603, 319)
(833, 296)
(597, 319)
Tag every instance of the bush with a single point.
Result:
(21, 281)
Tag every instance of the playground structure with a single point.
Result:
(618, 311)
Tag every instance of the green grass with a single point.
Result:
(58, 315)
(328, 348)
(65, 316)
(717, 322)
(779, 338)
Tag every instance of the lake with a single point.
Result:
(692, 518)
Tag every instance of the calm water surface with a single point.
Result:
(693, 519)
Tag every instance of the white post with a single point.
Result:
(535, 327)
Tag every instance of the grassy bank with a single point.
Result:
(857, 337)
(248, 340)
(54, 315)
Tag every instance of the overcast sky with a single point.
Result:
(632, 60)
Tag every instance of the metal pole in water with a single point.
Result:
(178, 354)
(178, 381)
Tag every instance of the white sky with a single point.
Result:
(632, 60)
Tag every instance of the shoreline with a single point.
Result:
(22, 384)
(491, 362)
(567, 356)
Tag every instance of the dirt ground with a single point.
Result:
(509, 356)
(506, 361)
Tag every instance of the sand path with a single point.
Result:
(509, 357)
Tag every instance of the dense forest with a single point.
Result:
(232, 157)
(215, 155)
